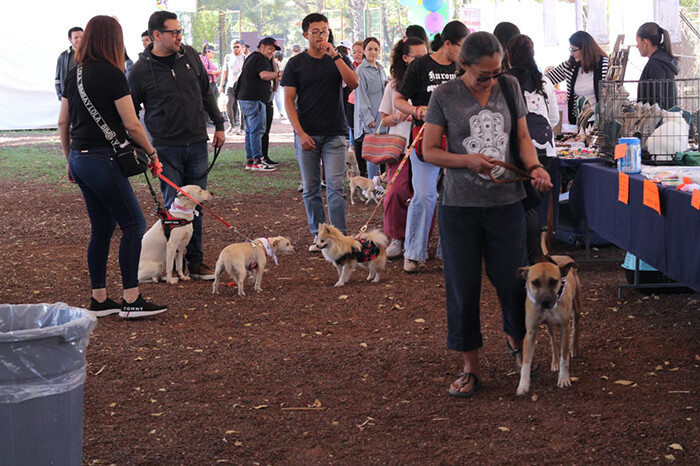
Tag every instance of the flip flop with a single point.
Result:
(464, 379)
(514, 353)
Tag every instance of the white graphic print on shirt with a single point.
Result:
(487, 137)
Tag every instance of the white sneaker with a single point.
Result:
(395, 248)
(313, 247)
(379, 189)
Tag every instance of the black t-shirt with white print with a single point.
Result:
(422, 77)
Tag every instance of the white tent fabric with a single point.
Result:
(666, 14)
(33, 35)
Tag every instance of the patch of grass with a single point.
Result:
(45, 164)
(41, 164)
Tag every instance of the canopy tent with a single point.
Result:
(33, 35)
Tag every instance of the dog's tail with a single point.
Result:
(543, 244)
(377, 237)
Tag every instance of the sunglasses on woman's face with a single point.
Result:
(483, 79)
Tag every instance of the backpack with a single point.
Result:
(538, 122)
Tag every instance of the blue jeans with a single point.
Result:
(421, 209)
(496, 234)
(372, 170)
(185, 165)
(255, 117)
(332, 150)
(110, 201)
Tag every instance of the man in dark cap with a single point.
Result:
(254, 95)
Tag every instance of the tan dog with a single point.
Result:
(351, 167)
(159, 252)
(345, 252)
(557, 303)
(240, 258)
(366, 187)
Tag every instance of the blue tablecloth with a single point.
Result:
(554, 170)
(669, 242)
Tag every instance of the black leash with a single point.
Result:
(217, 151)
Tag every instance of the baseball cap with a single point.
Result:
(269, 41)
(210, 48)
(345, 43)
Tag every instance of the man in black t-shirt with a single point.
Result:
(173, 86)
(254, 93)
(313, 98)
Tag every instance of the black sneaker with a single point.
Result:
(140, 308)
(268, 161)
(105, 308)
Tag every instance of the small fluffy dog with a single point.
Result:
(366, 187)
(240, 258)
(345, 252)
(158, 251)
(351, 167)
(553, 297)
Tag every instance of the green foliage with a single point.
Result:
(201, 27)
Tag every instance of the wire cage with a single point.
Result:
(663, 114)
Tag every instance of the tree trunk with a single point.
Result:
(358, 18)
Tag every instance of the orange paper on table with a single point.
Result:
(620, 151)
(695, 200)
(651, 196)
(623, 194)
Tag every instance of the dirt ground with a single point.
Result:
(305, 373)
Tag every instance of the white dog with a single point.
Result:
(159, 252)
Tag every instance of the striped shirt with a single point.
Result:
(567, 72)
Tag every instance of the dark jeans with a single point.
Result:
(232, 108)
(496, 234)
(185, 165)
(361, 163)
(109, 200)
(269, 113)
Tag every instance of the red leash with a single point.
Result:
(190, 197)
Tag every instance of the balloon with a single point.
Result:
(432, 5)
(434, 22)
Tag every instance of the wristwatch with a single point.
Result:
(337, 57)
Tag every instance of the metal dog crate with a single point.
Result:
(666, 124)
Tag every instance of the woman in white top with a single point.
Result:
(585, 68)
(538, 91)
(368, 96)
(395, 207)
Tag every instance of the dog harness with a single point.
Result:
(268, 250)
(368, 252)
(169, 222)
(559, 293)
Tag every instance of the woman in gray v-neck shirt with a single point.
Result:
(479, 218)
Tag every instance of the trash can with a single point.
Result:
(42, 374)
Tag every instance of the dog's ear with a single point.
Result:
(564, 269)
(522, 272)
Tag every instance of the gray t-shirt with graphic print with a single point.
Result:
(473, 129)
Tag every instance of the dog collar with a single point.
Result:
(268, 249)
(177, 207)
(559, 293)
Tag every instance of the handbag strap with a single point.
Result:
(110, 135)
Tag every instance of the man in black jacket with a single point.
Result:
(66, 60)
(173, 86)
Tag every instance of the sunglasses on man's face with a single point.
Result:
(236, 47)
